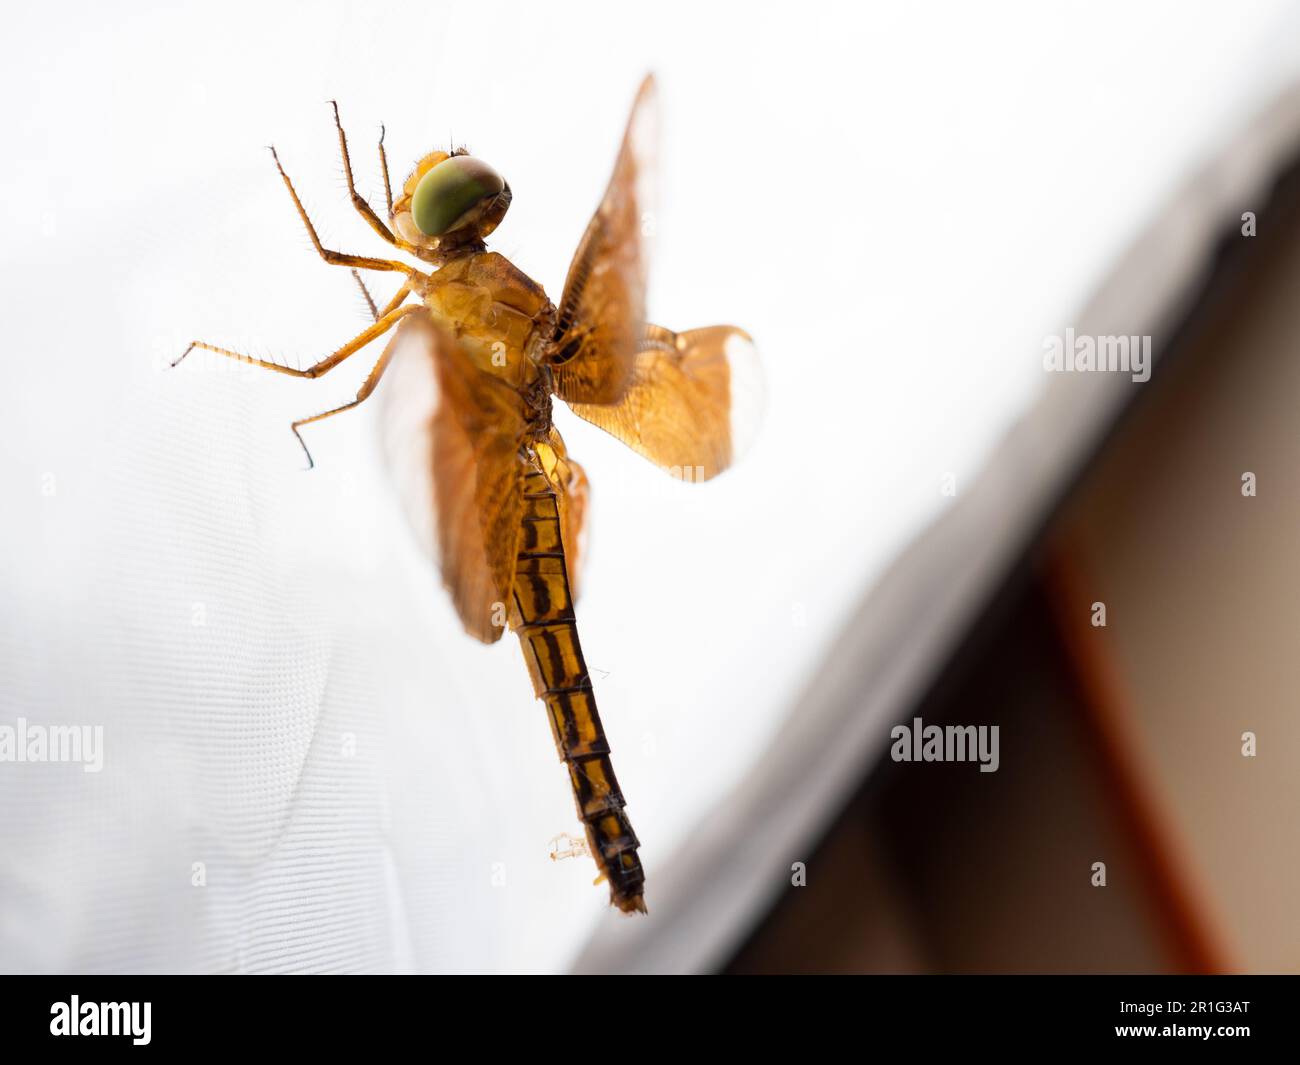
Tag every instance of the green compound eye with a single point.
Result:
(450, 190)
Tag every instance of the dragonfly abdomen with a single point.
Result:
(548, 631)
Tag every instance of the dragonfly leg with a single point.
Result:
(338, 258)
(390, 306)
(383, 166)
(363, 393)
(358, 201)
(381, 326)
(365, 293)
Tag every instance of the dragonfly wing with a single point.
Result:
(692, 403)
(573, 524)
(602, 311)
(452, 436)
(689, 401)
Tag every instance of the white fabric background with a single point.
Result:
(899, 205)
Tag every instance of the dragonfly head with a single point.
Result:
(450, 201)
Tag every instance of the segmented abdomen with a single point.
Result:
(549, 635)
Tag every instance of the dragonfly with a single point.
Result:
(481, 353)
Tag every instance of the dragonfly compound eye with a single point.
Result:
(450, 191)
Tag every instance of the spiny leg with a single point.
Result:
(359, 201)
(363, 393)
(338, 258)
(383, 165)
(391, 305)
(378, 329)
(365, 294)
(396, 301)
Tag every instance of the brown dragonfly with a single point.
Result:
(488, 482)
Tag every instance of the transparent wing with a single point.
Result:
(452, 437)
(692, 403)
(602, 310)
